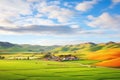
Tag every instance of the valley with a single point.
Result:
(86, 61)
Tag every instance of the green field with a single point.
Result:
(50, 70)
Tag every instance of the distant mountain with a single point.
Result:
(77, 49)
(6, 44)
(10, 47)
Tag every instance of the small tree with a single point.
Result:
(28, 58)
(47, 55)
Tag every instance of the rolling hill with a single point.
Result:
(6, 47)
(107, 53)
(85, 48)
(110, 63)
(108, 57)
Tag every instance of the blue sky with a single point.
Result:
(59, 22)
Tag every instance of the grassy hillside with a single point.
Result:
(107, 53)
(110, 63)
(108, 57)
(85, 48)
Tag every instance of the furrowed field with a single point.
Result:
(51, 70)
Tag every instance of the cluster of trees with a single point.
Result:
(2, 57)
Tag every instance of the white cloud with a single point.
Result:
(34, 21)
(18, 15)
(48, 11)
(66, 4)
(57, 2)
(7, 23)
(104, 21)
(75, 26)
(42, 29)
(85, 5)
(33, 0)
(10, 8)
(54, 30)
(116, 1)
(54, 11)
(49, 42)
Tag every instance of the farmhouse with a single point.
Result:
(61, 57)
(68, 57)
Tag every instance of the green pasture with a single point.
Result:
(51, 70)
